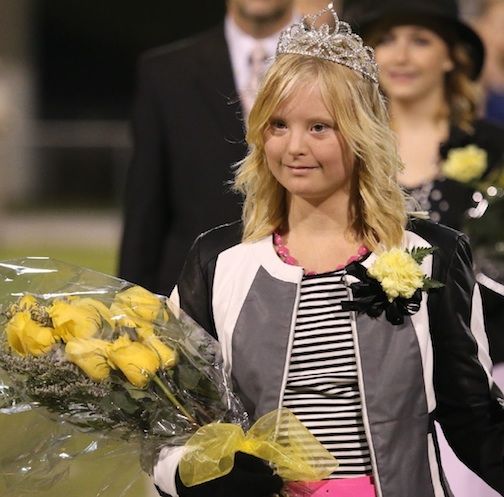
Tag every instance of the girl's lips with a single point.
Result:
(400, 76)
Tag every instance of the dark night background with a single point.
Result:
(86, 51)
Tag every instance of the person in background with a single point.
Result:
(429, 63)
(306, 7)
(188, 130)
(306, 295)
(489, 23)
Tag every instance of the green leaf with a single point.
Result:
(420, 253)
(123, 401)
(188, 377)
(429, 284)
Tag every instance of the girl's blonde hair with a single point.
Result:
(355, 104)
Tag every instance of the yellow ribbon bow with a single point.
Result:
(277, 437)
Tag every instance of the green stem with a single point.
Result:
(173, 399)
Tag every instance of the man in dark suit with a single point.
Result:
(188, 130)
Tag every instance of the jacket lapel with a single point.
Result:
(216, 81)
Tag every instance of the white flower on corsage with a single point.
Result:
(465, 164)
(393, 283)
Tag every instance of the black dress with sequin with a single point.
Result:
(450, 202)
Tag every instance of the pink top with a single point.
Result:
(284, 254)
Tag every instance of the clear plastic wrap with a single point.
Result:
(121, 372)
(98, 354)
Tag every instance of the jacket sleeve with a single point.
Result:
(193, 293)
(147, 203)
(468, 402)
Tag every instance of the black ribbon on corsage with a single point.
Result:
(371, 299)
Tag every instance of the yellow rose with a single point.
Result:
(138, 306)
(27, 337)
(138, 362)
(398, 274)
(90, 355)
(465, 164)
(75, 318)
(167, 356)
(26, 302)
(100, 307)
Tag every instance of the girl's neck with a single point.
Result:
(319, 219)
(420, 129)
(430, 111)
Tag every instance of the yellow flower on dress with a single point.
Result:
(398, 273)
(136, 307)
(27, 337)
(90, 355)
(137, 361)
(465, 164)
(167, 356)
(78, 318)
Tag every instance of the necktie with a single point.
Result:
(257, 66)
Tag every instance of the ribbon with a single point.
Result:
(277, 437)
(371, 299)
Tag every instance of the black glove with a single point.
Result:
(250, 477)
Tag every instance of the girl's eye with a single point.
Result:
(385, 39)
(277, 124)
(421, 41)
(320, 127)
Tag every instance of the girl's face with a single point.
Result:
(413, 62)
(304, 150)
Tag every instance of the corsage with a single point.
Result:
(392, 284)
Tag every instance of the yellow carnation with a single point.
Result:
(465, 164)
(90, 355)
(137, 362)
(75, 318)
(27, 337)
(398, 274)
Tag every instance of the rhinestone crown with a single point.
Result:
(337, 44)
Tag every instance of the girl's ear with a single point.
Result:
(448, 65)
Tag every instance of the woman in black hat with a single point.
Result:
(429, 62)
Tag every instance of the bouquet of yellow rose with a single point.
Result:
(110, 358)
(104, 354)
(100, 354)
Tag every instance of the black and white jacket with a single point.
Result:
(434, 366)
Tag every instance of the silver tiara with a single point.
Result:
(336, 44)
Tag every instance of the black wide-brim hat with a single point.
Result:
(442, 16)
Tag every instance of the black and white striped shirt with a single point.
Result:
(322, 387)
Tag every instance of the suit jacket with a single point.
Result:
(188, 131)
